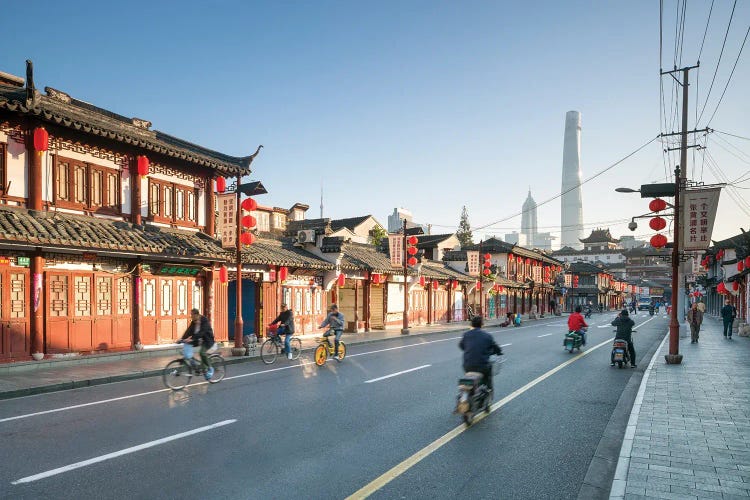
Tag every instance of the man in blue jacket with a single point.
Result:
(728, 313)
(478, 346)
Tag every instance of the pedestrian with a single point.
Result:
(695, 318)
(552, 305)
(335, 322)
(701, 306)
(728, 313)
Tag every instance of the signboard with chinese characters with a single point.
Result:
(699, 213)
(175, 270)
(23, 261)
(472, 257)
(396, 248)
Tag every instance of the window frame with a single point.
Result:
(74, 188)
(168, 215)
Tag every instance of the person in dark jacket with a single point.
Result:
(625, 332)
(286, 327)
(478, 346)
(202, 335)
(728, 313)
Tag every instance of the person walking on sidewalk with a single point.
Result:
(286, 327)
(728, 313)
(695, 318)
(334, 321)
(625, 332)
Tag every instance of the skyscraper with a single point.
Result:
(528, 219)
(571, 219)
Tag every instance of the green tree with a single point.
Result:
(377, 234)
(464, 229)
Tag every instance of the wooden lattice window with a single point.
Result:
(149, 297)
(182, 297)
(166, 297)
(123, 295)
(197, 296)
(103, 296)
(172, 203)
(17, 295)
(58, 295)
(82, 295)
(85, 186)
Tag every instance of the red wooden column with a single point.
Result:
(136, 316)
(211, 208)
(35, 173)
(366, 305)
(429, 303)
(37, 306)
(136, 194)
(208, 294)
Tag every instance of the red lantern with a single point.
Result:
(434, 284)
(486, 272)
(421, 281)
(720, 255)
(454, 284)
(658, 241)
(740, 266)
(283, 273)
(41, 139)
(657, 223)
(657, 205)
(223, 274)
(519, 259)
(249, 221)
(500, 288)
(735, 286)
(249, 204)
(478, 284)
(412, 240)
(247, 238)
(747, 261)
(412, 261)
(487, 263)
(142, 164)
(411, 250)
(341, 279)
(487, 256)
(221, 184)
(720, 288)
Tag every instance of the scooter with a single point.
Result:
(572, 341)
(651, 311)
(587, 314)
(620, 353)
(473, 396)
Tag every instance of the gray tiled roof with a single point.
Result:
(81, 116)
(359, 256)
(350, 223)
(282, 253)
(57, 230)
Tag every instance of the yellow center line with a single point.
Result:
(379, 482)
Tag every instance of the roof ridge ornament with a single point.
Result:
(58, 95)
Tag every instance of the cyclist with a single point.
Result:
(335, 322)
(286, 327)
(478, 346)
(202, 335)
(577, 324)
(625, 332)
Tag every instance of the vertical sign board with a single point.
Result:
(699, 213)
(396, 248)
(472, 257)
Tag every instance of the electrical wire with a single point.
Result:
(738, 200)
(726, 34)
(732, 135)
(572, 188)
(730, 77)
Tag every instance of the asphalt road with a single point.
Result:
(293, 430)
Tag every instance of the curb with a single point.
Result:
(77, 384)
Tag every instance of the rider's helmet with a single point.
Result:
(578, 309)
(477, 322)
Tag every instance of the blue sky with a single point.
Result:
(429, 105)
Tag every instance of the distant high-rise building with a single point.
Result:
(571, 219)
(528, 219)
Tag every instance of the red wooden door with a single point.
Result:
(122, 335)
(103, 328)
(148, 320)
(81, 338)
(14, 313)
(165, 330)
(57, 322)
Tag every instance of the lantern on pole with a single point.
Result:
(411, 249)
(142, 165)
(221, 184)
(657, 205)
(421, 281)
(249, 204)
(223, 274)
(283, 273)
(740, 266)
(41, 139)
(657, 223)
(658, 241)
(435, 284)
(248, 221)
(341, 279)
(247, 238)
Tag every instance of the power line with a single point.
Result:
(730, 77)
(738, 200)
(732, 135)
(572, 188)
(726, 34)
(706, 30)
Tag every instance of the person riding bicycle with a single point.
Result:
(624, 332)
(577, 324)
(286, 327)
(335, 323)
(202, 335)
(478, 346)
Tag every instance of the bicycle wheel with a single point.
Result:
(342, 351)
(296, 346)
(321, 355)
(268, 351)
(177, 374)
(220, 369)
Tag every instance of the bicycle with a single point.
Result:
(274, 346)
(178, 372)
(325, 349)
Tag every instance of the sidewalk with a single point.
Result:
(689, 432)
(35, 377)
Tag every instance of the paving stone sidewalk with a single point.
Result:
(692, 435)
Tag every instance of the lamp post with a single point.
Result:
(405, 326)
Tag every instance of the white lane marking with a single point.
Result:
(395, 374)
(403, 346)
(505, 345)
(120, 453)
(379, 482)
(545, 335)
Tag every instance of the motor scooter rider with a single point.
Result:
(651, 310)
(624, 332)
(478, 346)
(577, 324)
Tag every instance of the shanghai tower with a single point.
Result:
(571, 203)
